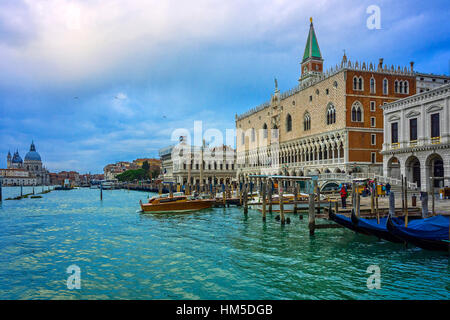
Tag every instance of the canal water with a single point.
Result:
(213, 254)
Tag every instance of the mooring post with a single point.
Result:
(406, 202)
(424, 200)
(263, 191)
(432, 196)
(372, 198)
(376, 200)
(1, 185)
(403, 196)
(353, 194)
(224, 195)
(270, 186)
(311, 214)
(21, 190)
(316, 187)
(245, 198)
(358, 205)
(295, 198)
(281, 201)
(392, 204)
(101, 191)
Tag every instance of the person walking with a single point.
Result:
(388, 188)
(343, 193)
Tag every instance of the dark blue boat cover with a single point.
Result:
(373, 223)
(435, 228)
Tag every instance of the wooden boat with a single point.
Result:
(178, 203)
(372, 227)
(430, 233)
(346, 222)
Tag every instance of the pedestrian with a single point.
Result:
(343, 193)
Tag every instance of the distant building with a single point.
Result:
(207, 165)
(60, 177)
(112, 170)
(427, 82)
(17, 177)
(417, 137)
(32, 164)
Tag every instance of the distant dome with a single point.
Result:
(16, 158)
(32, 155)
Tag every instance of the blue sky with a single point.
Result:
(94, 82)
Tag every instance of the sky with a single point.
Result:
(96, 82)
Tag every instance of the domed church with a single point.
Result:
(32, 164)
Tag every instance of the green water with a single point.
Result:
(212, 254)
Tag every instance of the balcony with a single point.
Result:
(395, 145)
(436, 140)
(413, 143)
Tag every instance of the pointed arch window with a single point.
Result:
(288, 123)
(331, 114)
(357, 112)
(406, 87)
(372, 85)
(265, 131)
(385, 86)
(307, 122)
(401, 87)
(360, 84)
(396, 86)
(355, 83)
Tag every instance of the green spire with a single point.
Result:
(312, 46)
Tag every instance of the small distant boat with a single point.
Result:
(430, 233)
(107, 185)
(59, 188)
(288, 202)
(178, 203)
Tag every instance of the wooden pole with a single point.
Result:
(316, 186)
(270, 195)
(372, 200)
(358, 205)
(101, 191)
(1, 185)
(295, 197)
(432, 196)
(376, 200)
(281, 200)
(245, 199)
(264, 199)
(403, 196)
(406, 202)
(311, 215)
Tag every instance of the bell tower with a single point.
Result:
(312, 63)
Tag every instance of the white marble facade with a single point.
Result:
(423, 155)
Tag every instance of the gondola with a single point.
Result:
(371, 227)
(346, 222)
(430, 233)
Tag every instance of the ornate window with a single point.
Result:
(372, 85)
(355, 83)
(406, 87)
(306, 122)
(385, 86)
(288, 123)
(331, 114)
(357, 112)
(396, 86)
(360, 84)
(401, 87)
